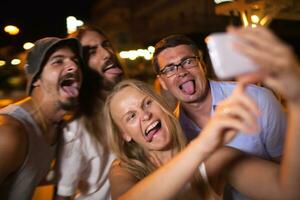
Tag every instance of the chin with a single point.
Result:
(69, 105)
(108, 84)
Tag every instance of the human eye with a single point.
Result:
(130, 116)
(57, 61)
(92, 50)
(76, 60)
(148, 102)
(189, 62)
(169, 69)
(107, 44)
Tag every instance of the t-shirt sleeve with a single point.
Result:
(273, 123)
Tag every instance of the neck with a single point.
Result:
(104, 93)
(159, 158)
(199, 111)
(47, 116)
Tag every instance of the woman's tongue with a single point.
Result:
(188, 87)
(150, 135)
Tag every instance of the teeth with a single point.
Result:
(109, 66)
(151, 127)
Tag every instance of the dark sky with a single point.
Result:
(37, 19)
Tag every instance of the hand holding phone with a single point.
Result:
(226, 60)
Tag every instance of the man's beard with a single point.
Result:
(108, 85)
(69, 105)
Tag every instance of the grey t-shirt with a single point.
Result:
(22, 183)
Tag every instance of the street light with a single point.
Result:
(11, 29)
(72, 24)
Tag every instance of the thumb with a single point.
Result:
(240, 87)
(229, 135)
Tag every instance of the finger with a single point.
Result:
(229, 135)
(263, 52)
(259, 37)
(240, 88)
(241, 97)
(263, 58)
(242, 113)
(250, 78)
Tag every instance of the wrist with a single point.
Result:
(203, 148)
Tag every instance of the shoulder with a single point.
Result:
(11, 129)
(223, 84)
(258, 93)
(118, 174)
(121, 180)
(13, 143)
(260, 90)
(232, 84)
(116, 170)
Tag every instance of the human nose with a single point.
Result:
(181, 71)
(72, 66)
(146, 115)
(105, 53)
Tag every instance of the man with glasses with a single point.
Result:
(180, 70)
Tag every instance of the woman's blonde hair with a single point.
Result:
(133, 157)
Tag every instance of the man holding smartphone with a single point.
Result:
(180, 69)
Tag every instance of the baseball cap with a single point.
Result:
(37, 55)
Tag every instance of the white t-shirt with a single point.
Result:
(203, 173)
(188, 193)
(83, 166)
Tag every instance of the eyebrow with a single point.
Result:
(103, 43)
(141, 105)
(56, 56)
(90, 47)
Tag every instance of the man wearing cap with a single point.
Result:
(28, 128)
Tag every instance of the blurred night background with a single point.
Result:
(130, 25)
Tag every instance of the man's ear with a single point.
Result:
(162, 82)
(126, 137)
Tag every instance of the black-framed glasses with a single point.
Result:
(187, 63)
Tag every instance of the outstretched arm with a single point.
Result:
(279, 69)
(261, 179)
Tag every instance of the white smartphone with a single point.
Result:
(226, 60)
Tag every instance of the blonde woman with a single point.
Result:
(155, 163)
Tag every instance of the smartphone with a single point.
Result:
(227, 61)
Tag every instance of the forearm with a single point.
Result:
(260, 179)
(169, 179)
(289, 171)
